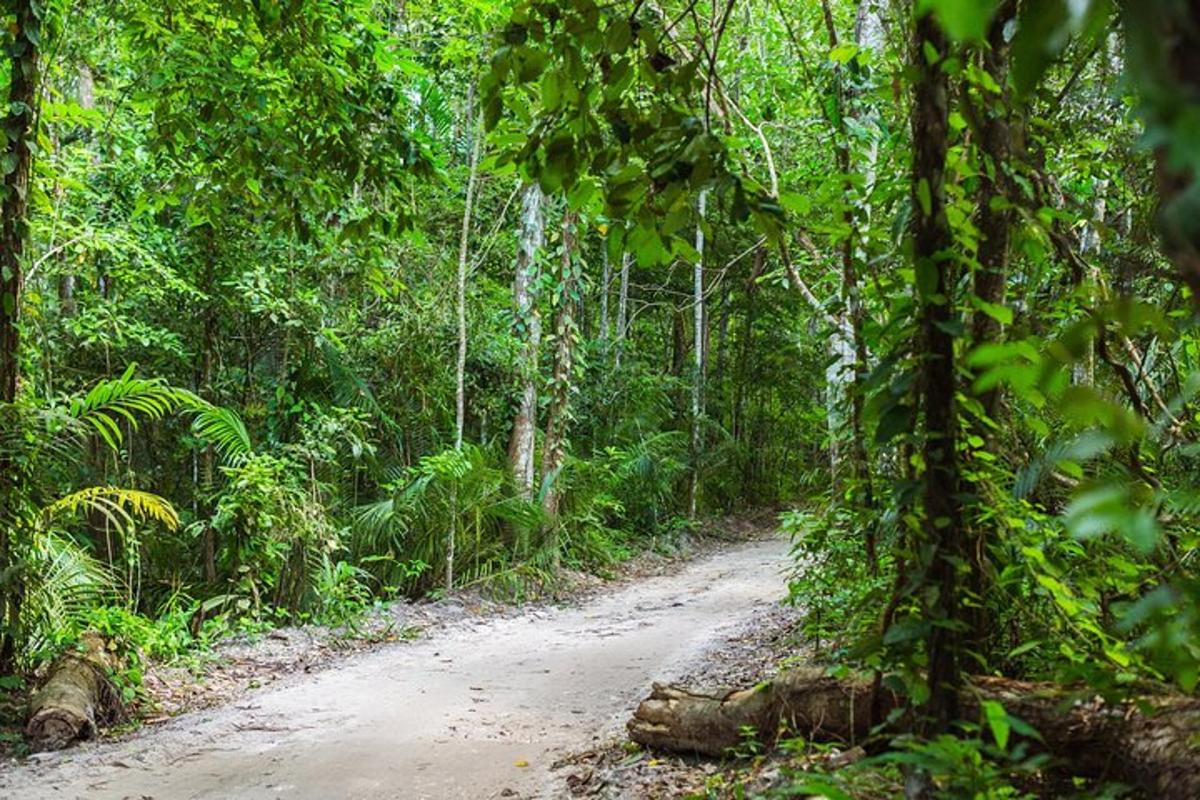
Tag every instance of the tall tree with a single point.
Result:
(623, 307)
(17, 162)
(15, 165)
(562, 381)
(934, 268)
(529, 327)
(698, 344)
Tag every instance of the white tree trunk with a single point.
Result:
(623, 308)
(529, 324)
(698, 381)
(1084, 371)
(463, 251)
(460, 397)
(870, 35)
(605, 280)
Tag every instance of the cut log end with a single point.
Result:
(76, 696)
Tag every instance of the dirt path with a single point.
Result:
(478, 710)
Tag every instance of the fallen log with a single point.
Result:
(1153, 743)
(76, 696)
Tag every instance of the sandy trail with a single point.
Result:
(476, 710)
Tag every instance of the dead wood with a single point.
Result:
(76, 696)
(1151, 743)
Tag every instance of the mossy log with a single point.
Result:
(1153, 743)
(76, 696)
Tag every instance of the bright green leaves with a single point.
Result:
(963, 20)
(1114, 508)
(290, 113)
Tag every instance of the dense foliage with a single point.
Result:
(293, 290)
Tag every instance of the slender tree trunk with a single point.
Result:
(529, 325)
(995, 215)
(460, 372)
(623, 308)
(16, 167)
(698, 343)
(208, 355)
(563, 381)
(605, 280)
(848, 372)
(932, 243)
(461, 295)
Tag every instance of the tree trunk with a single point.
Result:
(623, 309)
(1153, 751)
(18, 159)
(460, 367)
(995, 212)
(605, 280)
(994, 219)
(208, 355)
(562, 383)
(14, 228)
(76, 697)
(932, 241)
(461, 294)
(698, 344)
(529, 325)
(847, 373)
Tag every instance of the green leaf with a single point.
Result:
(963, 20)
(1002, 314)
(997, 722)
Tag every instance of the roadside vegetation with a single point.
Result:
(308, 306)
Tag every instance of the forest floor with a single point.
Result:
(490, 702)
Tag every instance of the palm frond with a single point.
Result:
(225, 430)
(63, 582)
(126, 398)
(119, 505)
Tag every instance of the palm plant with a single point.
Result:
(47, 578)
(465, 491)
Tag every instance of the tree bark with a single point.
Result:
(529, 324)
(76, 697)
(461, 294)
(995, 217)
(932, 243)
(562, 383)
(605, 280)
(623, 309)
(698, 344)
(15, 167)
(1152, 750)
